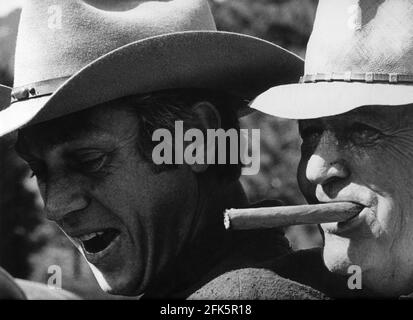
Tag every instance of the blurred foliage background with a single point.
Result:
(29, 244)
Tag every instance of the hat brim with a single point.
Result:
(324, 99)
(239, 64)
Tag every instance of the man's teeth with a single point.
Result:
(90, 236)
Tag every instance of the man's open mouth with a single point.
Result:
(98, 241)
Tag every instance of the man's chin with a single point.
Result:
(116, 283)
(335, 254)
(122, 290)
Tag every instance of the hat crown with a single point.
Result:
(361, 36)
(57, 38)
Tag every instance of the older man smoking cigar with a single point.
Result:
(354, 103)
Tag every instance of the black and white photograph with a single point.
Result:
(196, 156)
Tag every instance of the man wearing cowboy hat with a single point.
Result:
(92, 84)
(354, 106)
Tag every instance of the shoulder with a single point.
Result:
(9, 290)
(307, 267)
(38, 291)
(253, 284)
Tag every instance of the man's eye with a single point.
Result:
(361, 134)
(311, 134)
(91, 163)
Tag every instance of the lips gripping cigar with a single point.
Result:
(273, 217)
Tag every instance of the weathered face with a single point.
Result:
(127, 220)
(366, 157)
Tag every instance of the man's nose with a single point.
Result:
(327, 162)
(63, 196)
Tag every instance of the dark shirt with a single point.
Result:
(243, 267)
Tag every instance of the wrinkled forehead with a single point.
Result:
(98, 124)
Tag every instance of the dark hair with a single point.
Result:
(163, 108)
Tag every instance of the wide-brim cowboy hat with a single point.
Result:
(359, 54)
(75, 56)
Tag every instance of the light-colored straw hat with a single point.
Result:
(360, 53)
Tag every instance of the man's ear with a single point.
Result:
(208, 115)
(208, 118)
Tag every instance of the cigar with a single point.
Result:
(273, 217)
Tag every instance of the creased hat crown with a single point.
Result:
(58, 37)
(362, 36)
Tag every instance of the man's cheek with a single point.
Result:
(391, 184)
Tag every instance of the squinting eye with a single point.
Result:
(92, 163)
(311, 134)
(361, 134)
